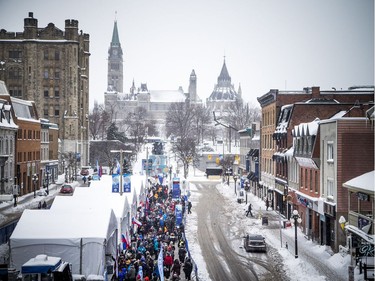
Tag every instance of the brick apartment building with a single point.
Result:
(289, 177)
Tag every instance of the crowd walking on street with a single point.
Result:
(156, 235)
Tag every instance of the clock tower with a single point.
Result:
(115, 63)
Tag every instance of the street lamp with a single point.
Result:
(235, 177)
(228, 174)
(35, 179)
(246, 189)
(47, 179)
(297, 219)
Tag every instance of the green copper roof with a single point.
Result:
(115, 39)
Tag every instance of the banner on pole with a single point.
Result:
(115, 183)
(126, 182)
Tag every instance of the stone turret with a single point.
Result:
(71, 30)
(30, 27)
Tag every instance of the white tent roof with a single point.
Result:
(79, 237)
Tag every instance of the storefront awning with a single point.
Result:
(355, 230)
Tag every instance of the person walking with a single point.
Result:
(189, 207)
(188, 268)
(249, 209)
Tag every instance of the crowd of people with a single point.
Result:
(159, 238)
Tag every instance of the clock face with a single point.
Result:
(115, 52)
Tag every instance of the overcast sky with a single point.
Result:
(267, 44)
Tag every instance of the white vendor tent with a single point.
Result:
(82, 238)
(88, 198)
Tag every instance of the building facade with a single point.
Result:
(8, 137)
(291, 175)
(156, 102)
(51, 67)
(224, 93)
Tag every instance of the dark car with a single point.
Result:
(66, 189)
(85, 172)
(254, 243)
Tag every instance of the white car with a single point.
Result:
(41, 192)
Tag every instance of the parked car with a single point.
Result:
(41, 192)
(85, 172)
(255, 242)
(66, 189)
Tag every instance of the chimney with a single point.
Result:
(315, 92)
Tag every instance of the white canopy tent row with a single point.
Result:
(73, 225)
(124, 206)
(83, 238)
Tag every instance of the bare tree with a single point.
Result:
(99, 122)
(180, 123)
(203, 119)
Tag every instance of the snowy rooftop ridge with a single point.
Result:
(363, 182)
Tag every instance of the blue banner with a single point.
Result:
(126, 182)
(178, 214)
(115, 183)
(160, 264)
(161, 178)
(176, 192)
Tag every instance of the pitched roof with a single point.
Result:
(115, 38)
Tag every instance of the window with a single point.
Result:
(15, 91)
(46, 54)
(45, 73)
(57, 92)
(15, 54)
(14, 73)
(46, 95)
(57, 74)
(330, 187)
(57, 112)
(45, 112)
(330, 152)
(57, 55)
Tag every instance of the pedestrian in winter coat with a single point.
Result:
(181, 253)
(168, 261)
(249, 210)
(189, 207)
(176, 267)
(188, 268)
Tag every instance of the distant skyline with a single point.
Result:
(269, 44)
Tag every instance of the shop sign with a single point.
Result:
(362, 196)
(366, 250)
(303, 201)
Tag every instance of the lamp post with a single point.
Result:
(47, 179)
(228, 174)
(297, 219)
(35, 179)
(121, 161)
(235, 177)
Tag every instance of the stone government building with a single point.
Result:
(50, 66)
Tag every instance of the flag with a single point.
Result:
(97, 167)
(160, 264)
(124, 242)
(118, 167)
(140, 273)
(135, 221)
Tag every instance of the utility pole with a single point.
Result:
(121, 163)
